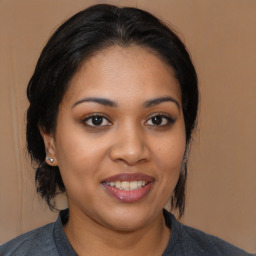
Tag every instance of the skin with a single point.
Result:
(127, 141)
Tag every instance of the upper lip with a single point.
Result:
(129, 177)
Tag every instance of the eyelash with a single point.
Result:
(168, 120)
(90, 117)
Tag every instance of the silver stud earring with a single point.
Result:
(50, 159)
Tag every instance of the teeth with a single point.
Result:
(133, 185)
(127, 185)
(117, 184)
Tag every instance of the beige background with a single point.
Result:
(221, 36)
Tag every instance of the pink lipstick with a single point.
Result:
(128, 187)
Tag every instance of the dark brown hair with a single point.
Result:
(87, 32)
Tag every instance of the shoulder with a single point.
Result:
(191, 241)
(36, 242)
(211, 244)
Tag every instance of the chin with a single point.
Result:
(128, 219)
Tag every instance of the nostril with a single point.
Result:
(129, 153)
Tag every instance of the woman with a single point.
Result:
(113, 103)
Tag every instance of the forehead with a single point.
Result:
(124, 72)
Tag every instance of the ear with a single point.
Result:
(50, 149)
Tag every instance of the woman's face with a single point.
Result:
(120, 138)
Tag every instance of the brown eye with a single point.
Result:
(96, 120)
(159, 120)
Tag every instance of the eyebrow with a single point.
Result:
(153, 102)
(109, 103)
(101, 101)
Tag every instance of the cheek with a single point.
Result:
(74, 147)
(171, 151)
(78, 156)
(77, 163)
(170, 155)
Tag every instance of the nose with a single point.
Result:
(130, 146)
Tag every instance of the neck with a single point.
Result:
(88, 237)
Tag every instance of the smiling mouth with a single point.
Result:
(128, 185)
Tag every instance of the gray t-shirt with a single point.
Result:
(51, 240)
